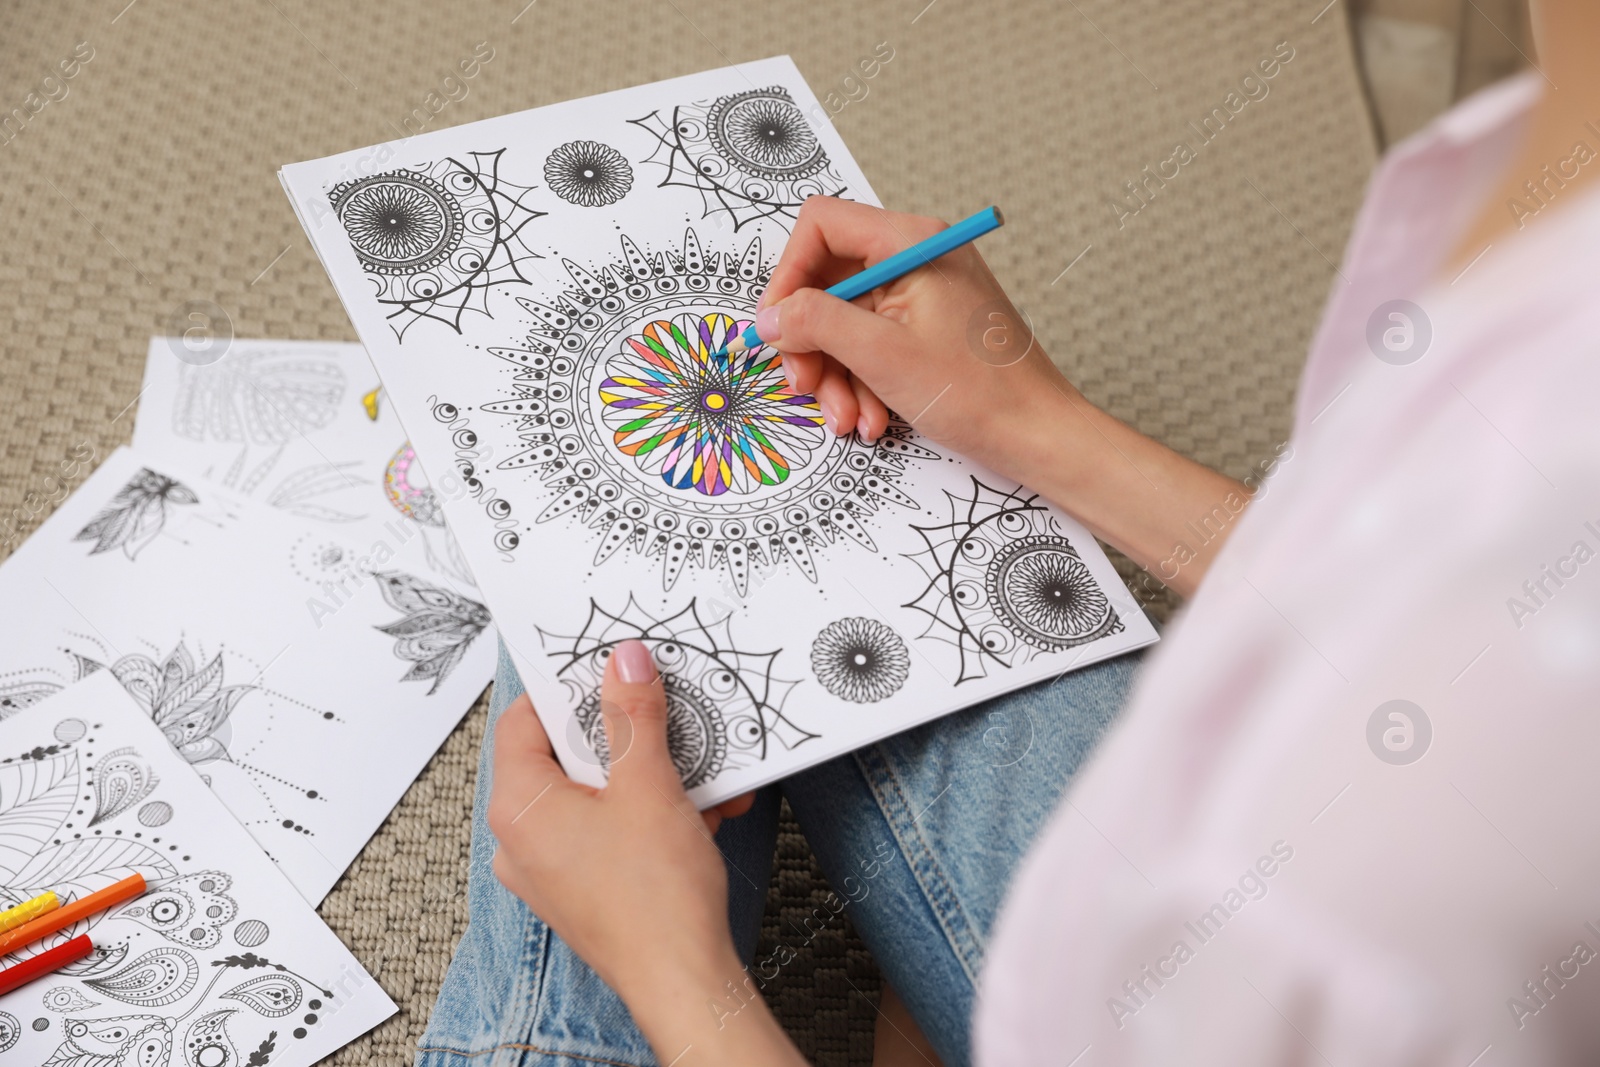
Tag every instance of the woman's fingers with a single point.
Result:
(834, 238)
(873, 417)
(837, 398)
(520, 742)
(525, 769)
(739, 805)
(810, 320)
(802, 370)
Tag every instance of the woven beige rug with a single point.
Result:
(147, 180)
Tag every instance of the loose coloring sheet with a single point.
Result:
(220, 963)
(306, 678)
(300, 425)
(544, 294)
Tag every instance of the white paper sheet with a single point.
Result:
(804, 595)
(220, 962)
(301, 425)
(308, 678)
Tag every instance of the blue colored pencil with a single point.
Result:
(895, 267)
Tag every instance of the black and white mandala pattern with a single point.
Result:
(588, 173)
(434, 239)
(860, 660)
(724, 707)
(639, 430)
(1005, 585)
(751, 155)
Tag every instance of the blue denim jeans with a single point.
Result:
(918, 835)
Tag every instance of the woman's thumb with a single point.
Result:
(633, 704)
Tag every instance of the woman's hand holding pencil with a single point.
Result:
(941, 345)
(946, 350)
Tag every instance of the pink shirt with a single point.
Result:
(1268, 862)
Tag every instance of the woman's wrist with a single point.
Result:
(704, 1010)
(1129, 489)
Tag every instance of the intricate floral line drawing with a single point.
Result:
(189, 911)
(120, 781)
(160, 977)
(724, 707)
(860, 660)
(434, 239)
(104, 958)
(260, 397)
(42, 794)
(637, 430)
(271, 995)
(122, 1041)
(588, 173)
(299, 490)
(37, 797)
(64, 998)
(24, 693)
(188, 701)
(208, 1040)
(1004, 584)
(146, 1040)
(751, 155)
(437, 629)
(187, 698)
(136, 514)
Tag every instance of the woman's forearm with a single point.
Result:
(1167, 513)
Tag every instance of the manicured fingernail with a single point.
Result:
(864, 429)
(634, 664)
(767, 324)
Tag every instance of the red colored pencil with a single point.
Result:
(44, 963)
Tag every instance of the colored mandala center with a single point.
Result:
(703, 422)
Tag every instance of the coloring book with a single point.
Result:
(219, 964)
(307, 678)
(543, 295)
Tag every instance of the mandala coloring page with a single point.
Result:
(219, 963)
(545, 296)
(306, 678)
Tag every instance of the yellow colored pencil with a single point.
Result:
(28, 910)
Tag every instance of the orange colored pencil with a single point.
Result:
(67, 914)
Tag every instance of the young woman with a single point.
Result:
(1348, 814)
